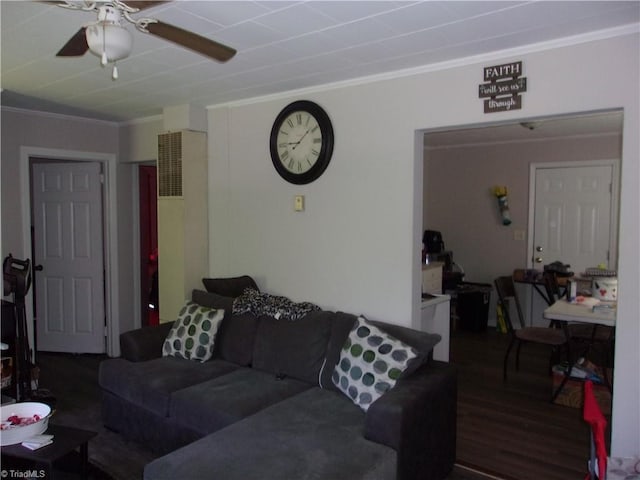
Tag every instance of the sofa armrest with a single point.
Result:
(144, 343)
(417, 418)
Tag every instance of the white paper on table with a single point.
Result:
(37, 441)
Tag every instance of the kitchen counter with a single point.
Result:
(435, 318)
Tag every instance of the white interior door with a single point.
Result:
(573, 216)
(68, 243)
(572, 220)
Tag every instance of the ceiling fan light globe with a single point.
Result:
(114, 40)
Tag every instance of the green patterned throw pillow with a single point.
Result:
(193, 335)
(371, 361)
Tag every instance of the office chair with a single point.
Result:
(554, 337)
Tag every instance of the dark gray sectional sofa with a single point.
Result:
(265, 407)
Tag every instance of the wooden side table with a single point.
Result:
(65, 441)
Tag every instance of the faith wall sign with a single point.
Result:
(505, 84)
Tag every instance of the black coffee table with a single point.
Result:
(65, 441)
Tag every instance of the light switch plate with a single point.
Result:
(298, 203)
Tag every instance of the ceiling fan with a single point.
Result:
(108, 39)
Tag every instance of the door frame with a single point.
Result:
(110, 229)
(615, 196)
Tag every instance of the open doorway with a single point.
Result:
(460, 169)
(462, 166)
(148, 201)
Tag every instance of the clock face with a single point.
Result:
(301, 142)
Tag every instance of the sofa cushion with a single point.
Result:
(236, 338)
(293, 348)
(229, 287)
(216, 403)
(340, 328)
(213, 300)
(234, 342)
(316, 434)
(370, 364)
(144, 343)
(193, 335)
(150, 384)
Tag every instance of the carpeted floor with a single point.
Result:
(73, 381)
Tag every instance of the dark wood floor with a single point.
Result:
(512, 429)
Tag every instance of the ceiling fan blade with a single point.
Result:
(192, 41)
(76, 46)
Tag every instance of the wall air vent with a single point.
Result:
(170, 164)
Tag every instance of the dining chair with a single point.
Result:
(554, 337)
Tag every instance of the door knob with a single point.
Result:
(538, 249)
(538, 259)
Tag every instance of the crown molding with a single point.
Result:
(58, 116)
(141, 120)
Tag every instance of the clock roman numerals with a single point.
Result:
(301, 142)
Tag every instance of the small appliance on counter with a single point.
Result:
(432, 242)
(433, 250)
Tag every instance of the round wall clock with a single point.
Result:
(301, 142)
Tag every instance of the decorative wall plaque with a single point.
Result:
(505, 84)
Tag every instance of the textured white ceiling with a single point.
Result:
(282, 45)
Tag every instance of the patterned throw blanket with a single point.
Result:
(257, 303)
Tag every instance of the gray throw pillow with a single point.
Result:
(193, 335)
(371, 362)
(229, 287)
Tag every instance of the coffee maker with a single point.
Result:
(433, 250)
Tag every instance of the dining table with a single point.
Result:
(601, 313)
(595, 313)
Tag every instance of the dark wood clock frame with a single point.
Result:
(326, 148)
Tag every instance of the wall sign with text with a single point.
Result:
(505, 84)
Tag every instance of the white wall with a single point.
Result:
(23, 128)
(342, 252)
(139, 139)
(357, 245)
